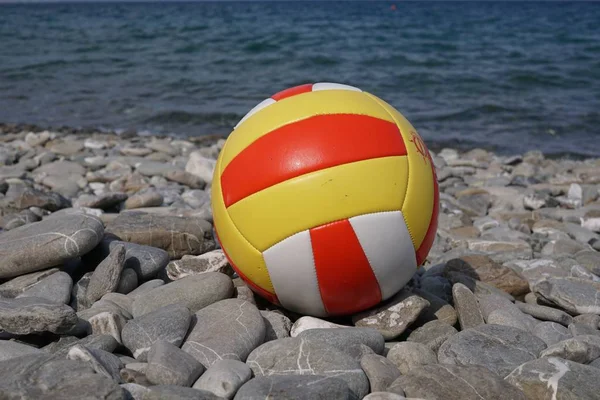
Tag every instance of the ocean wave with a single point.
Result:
(193, 118)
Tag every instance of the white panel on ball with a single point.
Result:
(388, 247)
(292, 270)
(333, 86)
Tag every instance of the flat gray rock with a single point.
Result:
(383, 396)
(145, 287)
(103, 201)
(477, 287)
(499, 348)
(380, 371)
(169, 323)
(432, 334)
(105, 278)
(307, 322)
(11, 349)
(174, 392)
(39, 376)
(169, 365)
(101, 361)
(465, 302)
(437, 285)
(195, 292)
(577, 329)
(277, 325)
(79, 293)
(224, 378)
(438, 310)
(510, 315)
(102, 342)
(18, 285)
(295, 387)
(582, 349)
(545, 313)
(344, 339)
(135, 391)
(176, 235)
(551, 332)
(410, 355)
(393, 316)
(212, 261)
(108, 323)
(591, 320)
(47, 243)
(297, 356)
(556, 378)
(56, 288)
(230, 328)
(127, 282)
(574, 295)
(454, 382)
(35, 315)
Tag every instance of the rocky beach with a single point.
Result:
(113, 286)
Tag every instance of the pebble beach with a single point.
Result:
(113, 285)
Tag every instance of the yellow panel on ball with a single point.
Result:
(273, 214)
(242, 254)
(418, 204)
(297, 108)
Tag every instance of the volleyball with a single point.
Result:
(325, 199)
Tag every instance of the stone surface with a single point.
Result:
(551, 332)
(103, 201)
(469, 314)
(35, 315)
(510, 315)
(574, 295)
(307, 322)
(224, 378)
(18, 285)
(393, 316)
(174, 392)
(582, 349)
(169, 365)
(496, 347)
(295, 387)
(213, 261)
(545, 313)
(195, 292)
(106, 276)
(380, 371)
(56, 288)
(432, 334)
(12, 349)
(438, 309)
(410, 355)
(383, 396)
(107, 322)
(169, 323)
(297, 356)
(101, 361)
(176, 235)
(556, 378)
(446, 382)
(230, 328)
(47, 243)
(344, 339)
(277, 325)
(128, 281)
(41, 376)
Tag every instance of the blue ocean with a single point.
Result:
(505, 76)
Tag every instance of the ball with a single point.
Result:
(325, 199)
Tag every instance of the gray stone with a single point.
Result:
(35, 315)
(383, 396)
(410, 355)
(201, 166)
(56, 288)
(169, 323)
(467, 308)
(577, 329)
(591, 320)
(213, 261)
(438, 310)
(102, 342)
(501, 251)
(122, 302)
(224, 378)
(295, 387)
(169, 365)
(295, 356)
(195, 292)
(551, 332)
(11, 349)
(20, 196)
(174, 392)
(574, 295)
(103, 201)
(380, 371)
(140, 367)
(13, 221)
(545, 313)
(176, 235)
(344, 339)
(556, 378)
(277, 325)
(477, 287)
(101, 361)
(79, 293)
(185, 178)
(108, 323)
(432, 334)
(581, 349)
(18, 285)
(40, 376)
(489, 303)
(512, 316)
(307, 322)
(496, 347)
(146, 287)
(229, 328)
(47, 243)
(148, 198)
(135, 391)
(105, 278)
(128, 281)
(562, 247)
(450, 382)
(590, 259)
(437, 286)
(392, 317)
(595, 363)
